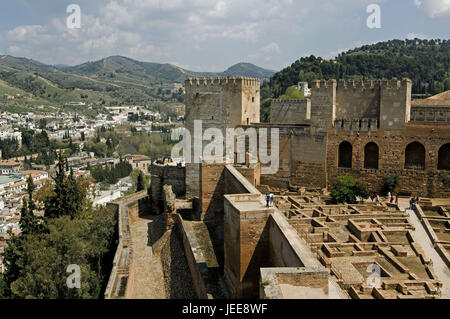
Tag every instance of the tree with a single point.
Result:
(347, 189)
(68, 194)
(140, 182)
(29, 223)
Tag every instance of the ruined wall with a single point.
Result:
(219, 103)
(290, 111)
(392, 146)
(174, 176)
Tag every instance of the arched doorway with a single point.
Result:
(371, 156)
(415, 156)
(345, 155)
(444, 158)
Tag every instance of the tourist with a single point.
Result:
(272, 199)
(413, 203)
(389, 195)
(267, 200)
(392, 199)
(396, 200)
(377, 198)
(417, 200)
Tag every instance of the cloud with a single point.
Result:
(434, 8)
(199, 33)
(266, 53)
(412, 36)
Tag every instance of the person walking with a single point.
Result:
(396, 200)
(267, 200)
(272, 199)
(377, 198)
(389, 195)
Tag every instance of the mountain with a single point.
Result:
(425, 62)
(248, 70)
(113, 80)
(160, 72)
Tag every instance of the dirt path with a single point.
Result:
(148, 281)
(440, 268)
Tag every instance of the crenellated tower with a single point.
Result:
(219, 103)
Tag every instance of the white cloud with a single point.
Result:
(434, 8)
(412, 36)
(199, 33)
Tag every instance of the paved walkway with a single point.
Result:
(148, 278)
(420, 235)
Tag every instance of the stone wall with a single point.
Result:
(172, 175)
(430, 114)
(392, 146)
(122, 272)
(290, 111)
(219, 103)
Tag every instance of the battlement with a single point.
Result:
(219, 81)
(318, 84)
(288, 101)
(371, 84)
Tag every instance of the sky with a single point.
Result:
(210, 35)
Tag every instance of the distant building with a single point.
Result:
(303, 87)
(140, 162)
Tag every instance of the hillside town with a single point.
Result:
(60, 127)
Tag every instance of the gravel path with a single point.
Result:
(148, 278)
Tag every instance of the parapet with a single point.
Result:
(393, 83)
(219, 81)
(323, 83)
(288, 101)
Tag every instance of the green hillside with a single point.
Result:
(111, 81)
(425, 62)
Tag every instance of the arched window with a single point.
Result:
(345, 155)
(415, 156)
(444, 158)
(371, 155)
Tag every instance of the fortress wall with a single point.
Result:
(167, 175)
(122, 272)
(357, 99)
(392, 146)
(212, 190)
(308, 154)
(430, 114)
(219, 103)
(290, 111)
(323, 104)
(395, 104)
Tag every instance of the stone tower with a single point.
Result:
(219, 103)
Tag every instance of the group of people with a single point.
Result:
(376, 198)
(270, 199)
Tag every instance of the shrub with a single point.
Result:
(347, 189)
(446, 179)
(390, 182)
